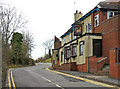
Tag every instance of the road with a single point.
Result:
(38, 76)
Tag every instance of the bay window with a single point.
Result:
(67, 52)
(73, 50)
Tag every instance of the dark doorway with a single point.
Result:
(97, 47)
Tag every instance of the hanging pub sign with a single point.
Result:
(78, 30)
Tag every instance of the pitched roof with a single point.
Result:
(109, 5)
(101, 5)
(66, 33)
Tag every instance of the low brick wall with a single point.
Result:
(67, 66)
(82, 67)
(94, 65)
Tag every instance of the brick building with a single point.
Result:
(87, 45)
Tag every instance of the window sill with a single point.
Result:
(67, 57)
(117, 63)
(96, 26)
(81, 55)
(73, 55)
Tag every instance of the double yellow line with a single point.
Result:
(86, 80)
(11, 80)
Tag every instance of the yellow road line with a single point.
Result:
(12, 80)
(84, 79)
(9, 82)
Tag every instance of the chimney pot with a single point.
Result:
(76, 11)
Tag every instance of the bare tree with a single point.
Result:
(10, 21)
(28, 43)
(48, 44)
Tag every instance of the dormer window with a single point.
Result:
(96, 20)
(110, 14)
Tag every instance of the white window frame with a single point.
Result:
(88, 28)
(96, 19)
(108, 14)
(81, 48)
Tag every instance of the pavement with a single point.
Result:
(40, 76)
(104, 79)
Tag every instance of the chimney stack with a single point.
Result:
(77, 15)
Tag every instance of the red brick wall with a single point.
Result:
(114, 66)
(93, 65)
(111, 31)
(101, 18)
(57, 45)
(67, 66)
(82, 67)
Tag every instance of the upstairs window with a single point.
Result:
(81, 47)
(69, 38)
(110, 14)
(75, 37)
(96, 20)
(88, 28)
(63, 41)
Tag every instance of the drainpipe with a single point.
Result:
(88, 55)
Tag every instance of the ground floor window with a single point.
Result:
(67, 52)
(73, 50)
(81, 47)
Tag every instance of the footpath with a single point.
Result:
(103, 79)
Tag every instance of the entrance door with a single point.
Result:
(97, 47)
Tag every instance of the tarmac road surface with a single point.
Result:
(38, 76)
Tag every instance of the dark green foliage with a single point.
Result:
(16, 52)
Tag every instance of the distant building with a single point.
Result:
(87, 45)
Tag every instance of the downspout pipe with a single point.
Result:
(88, 55)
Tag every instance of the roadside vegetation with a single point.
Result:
(45, 59)
(16, 46)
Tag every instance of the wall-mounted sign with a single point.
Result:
(77, 30)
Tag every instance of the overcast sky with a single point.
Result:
(50, 17)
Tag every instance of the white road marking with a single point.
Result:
(58, 85)
(46, 79)
(52, 82)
